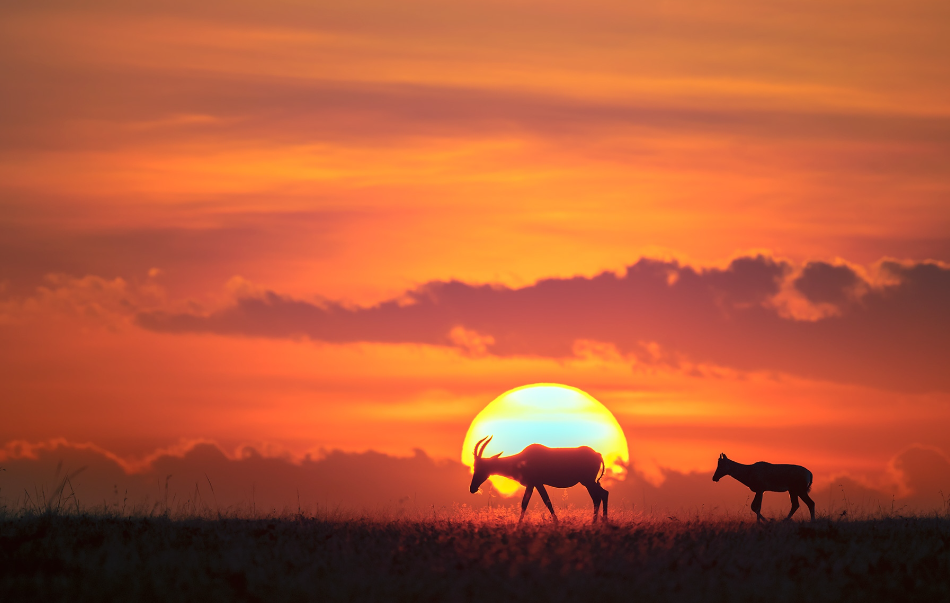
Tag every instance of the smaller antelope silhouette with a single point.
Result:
(537, 466)
(764, 477)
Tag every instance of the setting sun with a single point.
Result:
(555, 415)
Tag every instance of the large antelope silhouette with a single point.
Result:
(537, 466)
(764, 477)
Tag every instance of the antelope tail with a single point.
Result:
(809, 481)
(603, 468)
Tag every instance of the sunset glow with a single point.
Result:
(554, 415)
(285, 235)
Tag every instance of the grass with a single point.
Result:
(466, 555)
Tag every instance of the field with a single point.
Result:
(468, 556)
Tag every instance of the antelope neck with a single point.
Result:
(501, 466)
(737, 470)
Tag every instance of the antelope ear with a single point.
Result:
(722, 455)
(497, 455)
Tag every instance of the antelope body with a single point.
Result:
(764, 477)
(537, 466)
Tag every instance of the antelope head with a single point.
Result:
(481, 468)
(721, 469)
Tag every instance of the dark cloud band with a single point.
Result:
(892, 336)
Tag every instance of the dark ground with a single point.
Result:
(56, 557)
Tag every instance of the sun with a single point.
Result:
(555, 415)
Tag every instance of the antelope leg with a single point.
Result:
(795, 504)
(595, 495)
(528, 491)
(810, 504)
(547, 501)
(757, 506)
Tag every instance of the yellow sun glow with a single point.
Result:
(555, 415)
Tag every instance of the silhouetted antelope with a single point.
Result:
(537, 466)
(765, 477)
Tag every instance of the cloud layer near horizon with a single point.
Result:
(823, 322)
(204, 478)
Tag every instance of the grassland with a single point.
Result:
(468, 556)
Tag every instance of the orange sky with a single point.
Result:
(260, 224)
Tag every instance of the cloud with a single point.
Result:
(924, 472)
(823, 283)
(214, 250)
(223, 108)
(108, 303)
(893, 336)
(917, 479)
(203, 473)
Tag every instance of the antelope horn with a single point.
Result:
(484, 446)
(477, 453)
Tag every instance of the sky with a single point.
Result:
(317, 232)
